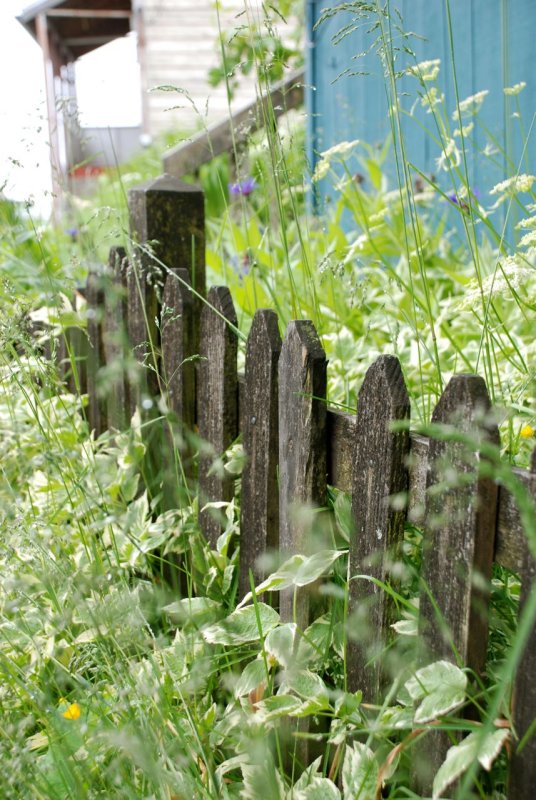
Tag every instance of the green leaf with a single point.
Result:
(359, 773)
(297, 571)
(241, 626)
(440, 687)
(199, 610)
(318, 789)
(252, 675)
(461, 756)
(307, 685)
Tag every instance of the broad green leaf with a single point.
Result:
(241, 626)
(439, 686)
(312, 771)
(461, 756)
(318, 789)
(306, 684)
(406, 627)
(199, 610)
(288, 647)
(359, 773)
(280, 705)
(297, 571)
(252, 675)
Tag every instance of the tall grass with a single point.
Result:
(116, 686)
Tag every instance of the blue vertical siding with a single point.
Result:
(493, 48)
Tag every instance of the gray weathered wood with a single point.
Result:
(96, 411)
(302, 445)
(379, 473)
(458, 546)
(217, 406)
(259, 505)
(222, 137)
(115, 340)
(168, 226)
(178, 368)
(522, 773)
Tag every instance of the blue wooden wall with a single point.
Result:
(493, 48)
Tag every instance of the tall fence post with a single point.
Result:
(259, 506)
(459, 542)
(217, 403)
(115, 339)
(302, 446)
(522, 772)
(168, 227)
(379, 473)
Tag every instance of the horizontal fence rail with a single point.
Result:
(295, 446)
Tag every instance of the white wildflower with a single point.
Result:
(326, 157)
(450, 157)
(527, 223)
(432, 98)
(528, 240)
(511, 277)
(514, 185)
(426, 70)
(490, 150)
(471, 105)
(515, 89)
(465, 130)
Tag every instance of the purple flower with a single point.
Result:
(243, 187)
(73, 233)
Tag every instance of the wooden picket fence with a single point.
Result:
(295, 445)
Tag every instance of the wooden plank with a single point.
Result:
(379, 473)
(178, 369)
(259, 505)
(95, 357)
(457, 547)
(115, 339)
(302, 447)
(186, 158)
(522, 772)
(217, 406)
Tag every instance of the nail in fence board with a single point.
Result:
(522, 773)
(217, 407)
(95, 355)
(302, 445)
(379, 472)
(458, 544)
(115, 339)
(259, 514)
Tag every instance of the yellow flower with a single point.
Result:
(73, 711)
(526, 432)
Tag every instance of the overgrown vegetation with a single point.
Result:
(115, 686)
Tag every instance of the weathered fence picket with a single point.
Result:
(380, 474)
(259, 518)
(115, 339)
(95, 356)
(295, 445)
(217, 404)
(302, 447)
(522, 775)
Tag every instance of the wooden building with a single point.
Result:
(177, 44)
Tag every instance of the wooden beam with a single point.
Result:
(88, 13)
(90, 41)
(187, 157)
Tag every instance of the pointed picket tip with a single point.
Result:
(384, 383)
(264, 331)
(302, 335)
(219, 300)
(465, 397)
